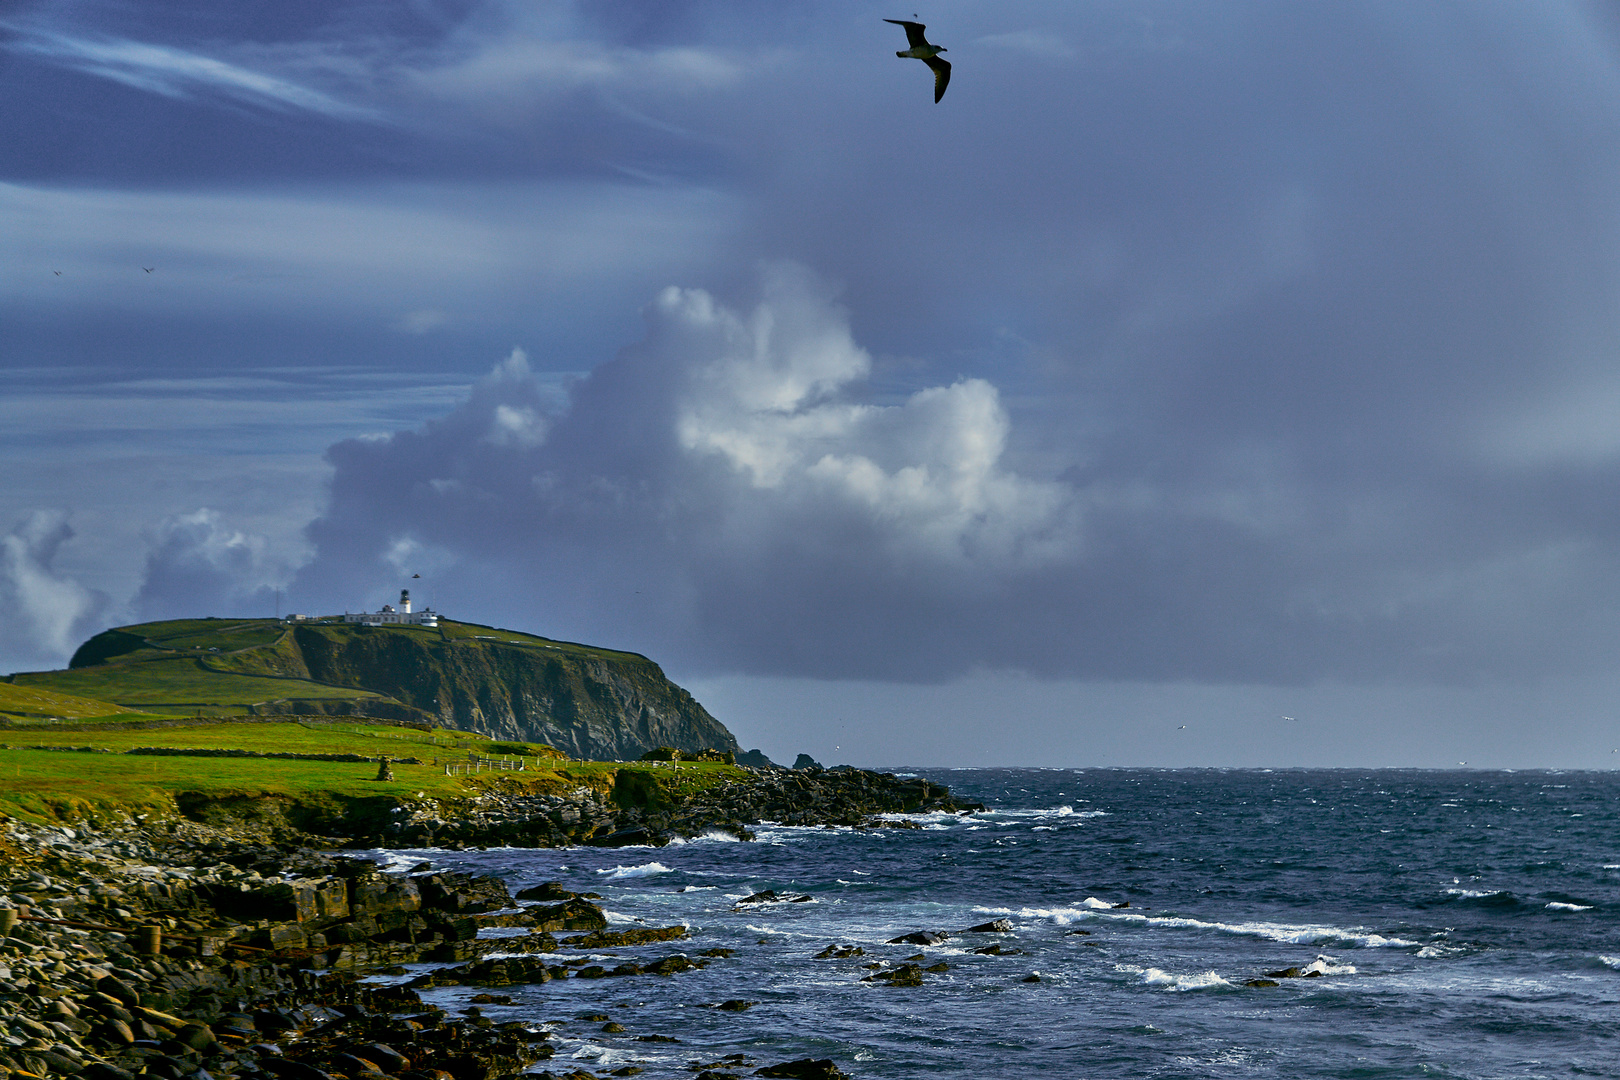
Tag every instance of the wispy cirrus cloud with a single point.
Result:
(178, 73)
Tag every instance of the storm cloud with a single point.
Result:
(728, 494)
(1240, 347)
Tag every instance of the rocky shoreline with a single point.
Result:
(635, 812)
(189, 950)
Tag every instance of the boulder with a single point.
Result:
(615, 939)
(376, 895)
(994, 926)
(550, 890)
(385, 1057)
(804, 1069)
(670, 965)
(770, 896)
(569, 915)
(904, 975)
(921, 937)
(117, 988)
(463, 894)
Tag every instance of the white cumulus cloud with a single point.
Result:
(43, 613)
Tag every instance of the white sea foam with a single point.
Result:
(936, 820)
(617, 918)
(605, 1057)
(1205, 980)
(1475, 894)
(1327, 965)
(1043, 812)
(1610, 961)
(719, 837)
(1556, 906)
(1092, 908)
(643, 870)
(398, 862)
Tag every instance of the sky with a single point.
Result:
(1195, 385)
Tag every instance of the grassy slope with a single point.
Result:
(180, 685)
(220, 666)
(29, 702)
(63, 786)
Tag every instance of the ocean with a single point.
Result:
(1442, 924)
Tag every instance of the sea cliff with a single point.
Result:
(591, 703)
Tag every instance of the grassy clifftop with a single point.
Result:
(590, 703)
(166, 767)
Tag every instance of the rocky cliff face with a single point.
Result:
(604, 707)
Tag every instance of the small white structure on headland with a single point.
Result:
(404, 616)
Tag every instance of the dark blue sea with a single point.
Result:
(1445, 924)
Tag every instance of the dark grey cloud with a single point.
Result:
(721, 496)
(1226, 343)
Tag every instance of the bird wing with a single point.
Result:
(914, 31)
(942, 76)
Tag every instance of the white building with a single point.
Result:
(403, 616)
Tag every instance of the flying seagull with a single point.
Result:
(928, 54)
(149, 269)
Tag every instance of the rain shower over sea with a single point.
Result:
(1410, 923)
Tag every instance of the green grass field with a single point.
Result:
(180, 685)
(23, 703)
(458, 631)
(54, 785)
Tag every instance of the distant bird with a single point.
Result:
(1288, 718)
(416, 575)
(928, 54)
(149, 269)
(58, 273)
(1183, 727)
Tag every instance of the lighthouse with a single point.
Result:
(403, 615)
